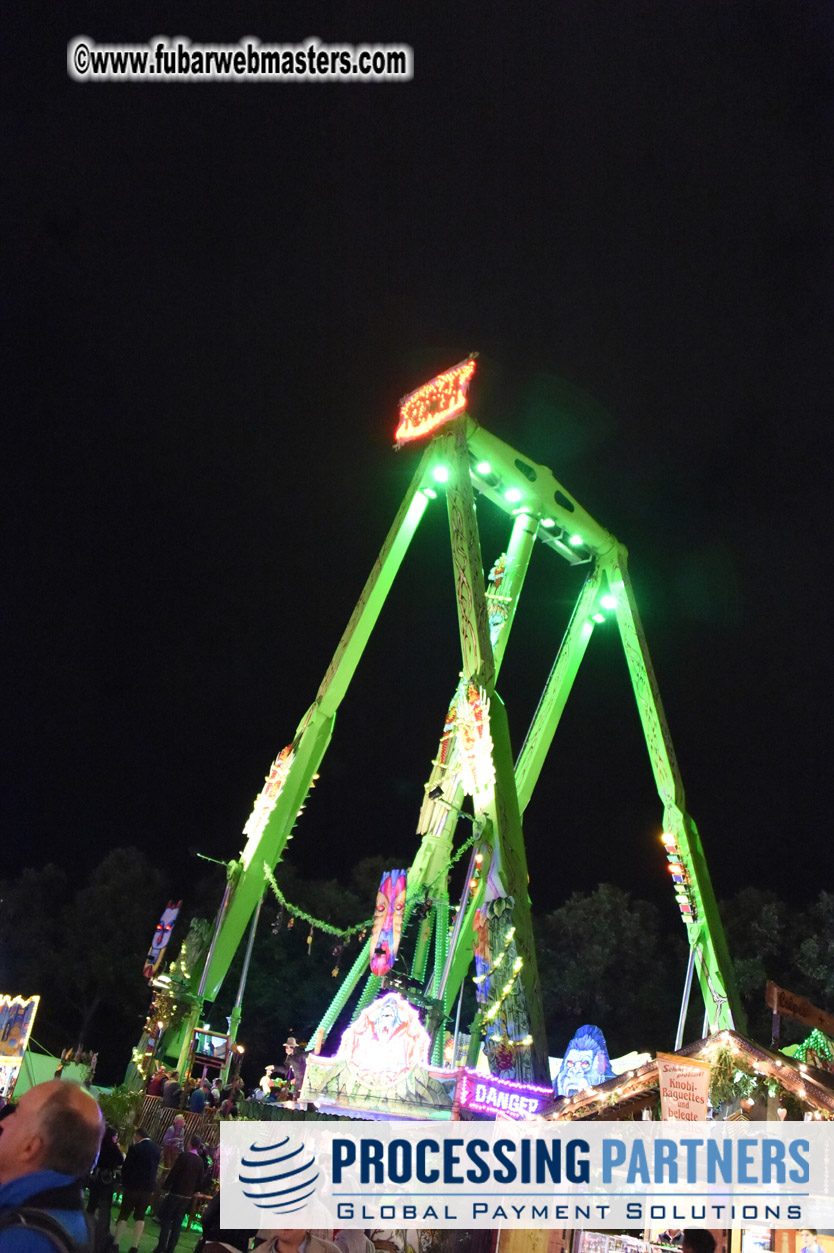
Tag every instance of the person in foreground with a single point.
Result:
(353, 1242)
(698, 1240)
(182, 1184)
(138, 1180)
(49, 1141)
(289, 1240)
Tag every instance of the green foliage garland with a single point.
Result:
(313, 922)
(328, 928)
(731, 1081)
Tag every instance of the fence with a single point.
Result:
(156, 1119)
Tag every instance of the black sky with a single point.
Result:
(216, 295)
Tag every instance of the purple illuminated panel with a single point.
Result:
(488, 1095)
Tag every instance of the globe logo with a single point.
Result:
(280, 1178)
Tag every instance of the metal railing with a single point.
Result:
(157, 1118)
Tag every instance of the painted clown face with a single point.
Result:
(388, 921)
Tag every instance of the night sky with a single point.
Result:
(216, 295)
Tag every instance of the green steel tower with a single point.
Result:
(463, 461)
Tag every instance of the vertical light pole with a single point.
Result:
(234, 1053)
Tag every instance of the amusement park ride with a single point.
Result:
(474, 759)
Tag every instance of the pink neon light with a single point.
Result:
(436, 402)
(507, 1083)
(493, 1109)
(520, 1099)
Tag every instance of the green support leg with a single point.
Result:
(266, 845)
(369, 994)
(706, 933)
(546, 719)
(441, 948)
(511, 868)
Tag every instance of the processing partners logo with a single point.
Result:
(278, 1177)
(526, 1174)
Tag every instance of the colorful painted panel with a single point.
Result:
(388, 921)
(17, 1015)
(161, 936)
(382, 1066)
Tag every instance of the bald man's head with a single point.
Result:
(55, 1126)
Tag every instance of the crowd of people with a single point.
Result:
(61, 1169)
(54, 1145)
(197, 1095)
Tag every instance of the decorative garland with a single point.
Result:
(343, 934)
(487, 974)
(496, 1006)
(348, 932)
(734, 1077)
(164, 1009)
(313, 923)
(464, 848)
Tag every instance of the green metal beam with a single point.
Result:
(468, 567)
(511, 869)
(533, 487)
(439, 820)
(314, 732)
(705, 932)
(546, 719)
(501, 807)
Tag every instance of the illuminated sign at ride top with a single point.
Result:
(488, 1095)
(436, 402)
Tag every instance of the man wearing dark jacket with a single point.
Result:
(138, 1181)
(171, 1091)
(181, 1184)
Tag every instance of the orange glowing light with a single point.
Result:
(434, 403)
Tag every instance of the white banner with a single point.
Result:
(684, 1088)
(475, 1175)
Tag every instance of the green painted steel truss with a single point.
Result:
(475, 464)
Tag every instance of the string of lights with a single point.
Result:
(489, 1015)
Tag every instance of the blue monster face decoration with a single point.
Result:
(585, 1063)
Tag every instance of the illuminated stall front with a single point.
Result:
(381, 1068)
(728, 1077)
(17, 1016)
